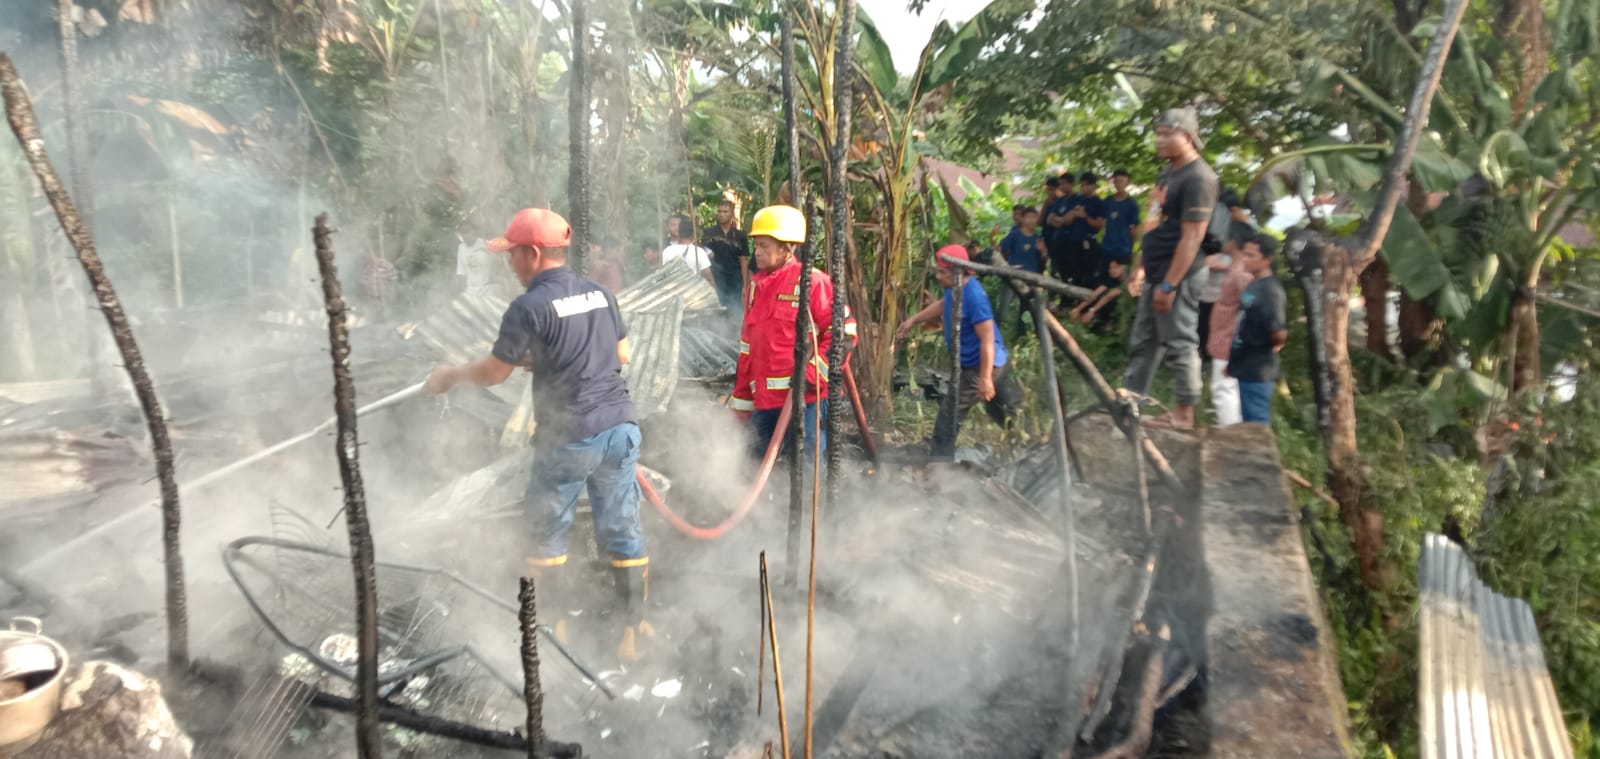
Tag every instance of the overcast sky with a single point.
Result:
(906, 33)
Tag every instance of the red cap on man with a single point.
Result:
(539, 227)
(958, 252)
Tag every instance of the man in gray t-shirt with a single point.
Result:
(1167, 324)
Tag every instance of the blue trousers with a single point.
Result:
(608, 464)
(1255, 401)
(764, 423)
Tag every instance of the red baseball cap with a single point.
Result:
(958, 252)
(534, 226)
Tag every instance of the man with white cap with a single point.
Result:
(566, 330)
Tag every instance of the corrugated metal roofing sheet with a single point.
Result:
(1485, 690)
(663, 285)
(652, 373)
(464, 330)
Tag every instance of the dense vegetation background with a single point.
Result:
(212, 131)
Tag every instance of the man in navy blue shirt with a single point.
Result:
(985, 375)
(1024, 249)
(1062, 196)
(567, 332)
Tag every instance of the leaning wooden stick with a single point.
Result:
(532, 690)
(761, 640)
(1038, 280)
(19, 111)
(777, 664)
(355, 500)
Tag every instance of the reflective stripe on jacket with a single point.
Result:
(766, 341)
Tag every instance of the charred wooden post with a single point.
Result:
(796, 431)
(1069, 520)
(355, 500)
(838, 241)
(532, 690)
(578, 130)
(952, 389)
(19, 112)
(1085, 366)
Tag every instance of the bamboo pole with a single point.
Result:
(777, 663)
(532, 689)
(1069, 519)
(19, 112)
(362, 558)
(177, 254)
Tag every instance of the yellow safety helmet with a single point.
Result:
(781, 223)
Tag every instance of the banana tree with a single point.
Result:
(889, 112)
(1505, 177)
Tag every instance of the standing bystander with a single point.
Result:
(683, 251)
(730, 261)
(1167, 324)
(1261, 334)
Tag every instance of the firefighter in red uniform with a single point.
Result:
(767, 339)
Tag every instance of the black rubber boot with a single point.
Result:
(632, 578)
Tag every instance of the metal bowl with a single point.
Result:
(23, 718)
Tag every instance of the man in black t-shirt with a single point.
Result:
(567, 332)
(1169, 294)
(1262, 331)
(730, 260)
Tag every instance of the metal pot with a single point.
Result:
(23, 718)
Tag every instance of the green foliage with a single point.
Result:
(1541, 540)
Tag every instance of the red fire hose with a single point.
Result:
(749, 502)
(712, 533)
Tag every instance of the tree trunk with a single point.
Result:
(1375, 291)
(1345, 478)
(614, 107)
(1526, 372)
(579, 113)
(1420, 327)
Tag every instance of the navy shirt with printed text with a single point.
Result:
(1121, 217)
(567, 328)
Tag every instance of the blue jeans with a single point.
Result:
(608, 463)
(764, 423)
(1255, 401)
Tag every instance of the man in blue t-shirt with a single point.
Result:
(1023, 248)
(567, 332)
(1122, 220)
(985, 376)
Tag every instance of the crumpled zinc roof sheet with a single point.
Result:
(1485, 690)
(663, 285)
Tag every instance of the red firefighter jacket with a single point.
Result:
(766, 342)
